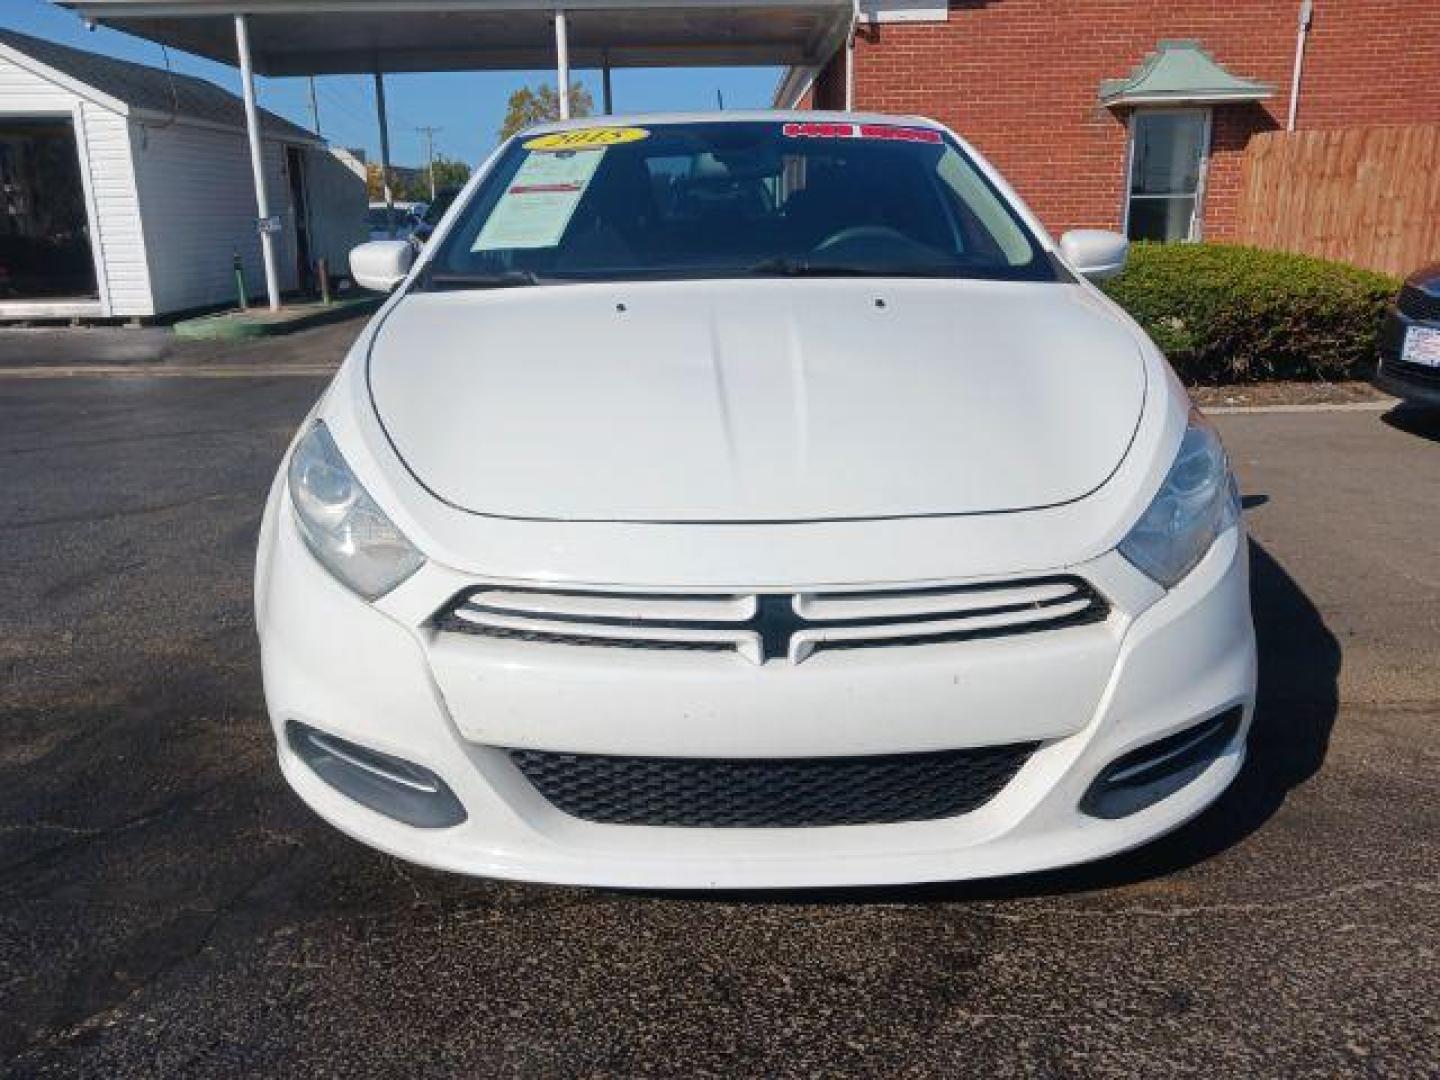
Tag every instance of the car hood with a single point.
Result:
(757, 400)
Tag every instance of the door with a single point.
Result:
(295, 168)
(45, 248)
(1168, 153)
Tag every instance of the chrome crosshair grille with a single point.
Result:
(775, 626)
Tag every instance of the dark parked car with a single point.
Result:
(1410, 342)
(443, 198)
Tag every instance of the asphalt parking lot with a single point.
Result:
(168, 908)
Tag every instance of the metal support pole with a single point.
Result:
(562, 64)
(850, 73)
(605, 86)
(385, 189)
(257, 162)
(850, 58)
(314, 107)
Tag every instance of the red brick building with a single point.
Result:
(1111, 114)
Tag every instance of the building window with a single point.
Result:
(1169, 149)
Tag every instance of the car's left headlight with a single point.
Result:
(341, 524)
(1198, 501)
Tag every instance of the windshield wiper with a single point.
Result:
(505, 279)
(784, 267)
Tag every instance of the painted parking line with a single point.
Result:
(168, 371)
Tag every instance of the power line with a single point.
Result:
(357, 121)
(367, 102)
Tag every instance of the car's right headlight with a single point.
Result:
(341, 524)
(1198, 501)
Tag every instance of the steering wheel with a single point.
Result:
(881, 235)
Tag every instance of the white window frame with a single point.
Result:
(1196, 231)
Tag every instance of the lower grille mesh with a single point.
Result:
(771, 793)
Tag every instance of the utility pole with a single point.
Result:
(385, 188)
(429, 133)
(314, 107)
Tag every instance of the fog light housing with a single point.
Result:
(388, 785)
(1157, 770)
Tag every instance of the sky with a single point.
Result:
(467, 106)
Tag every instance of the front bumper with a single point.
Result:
(1088, 695)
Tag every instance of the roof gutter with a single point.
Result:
(1203, 97)
(154, 118)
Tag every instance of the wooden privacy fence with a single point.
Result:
(1367, 196)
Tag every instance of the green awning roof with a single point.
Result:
(1181, 73)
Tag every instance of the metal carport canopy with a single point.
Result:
(351, 37)
(339, 37)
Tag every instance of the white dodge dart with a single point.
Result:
(753, 499)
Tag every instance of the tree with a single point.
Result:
(450, 173)
(374, 185)
(411, 184)
(535, 105)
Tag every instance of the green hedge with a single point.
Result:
(1225, 314)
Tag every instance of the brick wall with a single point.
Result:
(1019, 79)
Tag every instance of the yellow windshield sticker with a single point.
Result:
(591, 138)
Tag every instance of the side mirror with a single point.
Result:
(1095, 253)
(381, 265)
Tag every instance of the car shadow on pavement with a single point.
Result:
(1297, 704)
(1415, 420)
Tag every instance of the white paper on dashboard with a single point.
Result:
(541, 199)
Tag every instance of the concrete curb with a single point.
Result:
(248, 325)
(1318, 407)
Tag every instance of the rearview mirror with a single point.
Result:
(1095, 253)
(381, 265)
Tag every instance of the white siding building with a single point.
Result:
(125, 191)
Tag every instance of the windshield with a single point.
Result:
(725, 199)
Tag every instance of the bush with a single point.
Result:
(1225, 314)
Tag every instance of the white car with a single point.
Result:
(753, 500)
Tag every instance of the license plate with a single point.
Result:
(1422, 346)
